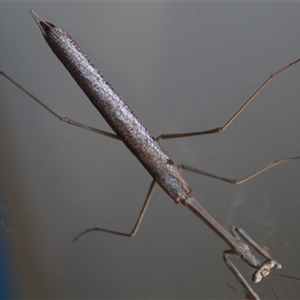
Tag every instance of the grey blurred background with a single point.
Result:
(181, 67)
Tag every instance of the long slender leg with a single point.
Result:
(235, 115)
(75, 123)
(58, 115)
(240, 278)
(169, 136)
(163, 136)
(256, 246)
(262, 271)
(136, 226)
(185, 167)
(222, 128)
(243, 295)
(265, 267)
(238, 181)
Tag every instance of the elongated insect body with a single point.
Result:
(132, 132)
(116, 112)
(147, 149)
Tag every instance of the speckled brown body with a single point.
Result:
(116, 112)
(134, 134)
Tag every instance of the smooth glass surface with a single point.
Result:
(181, 67)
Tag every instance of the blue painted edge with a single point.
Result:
(5, 259)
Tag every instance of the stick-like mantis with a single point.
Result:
(148, 150)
